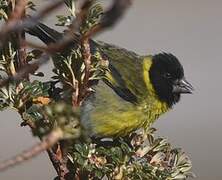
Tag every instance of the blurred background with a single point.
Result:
(189, 29)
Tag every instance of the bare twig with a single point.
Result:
(118, 9)
(46, 143)
(15, 26)
(110, 17)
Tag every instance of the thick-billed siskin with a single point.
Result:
(136, 89)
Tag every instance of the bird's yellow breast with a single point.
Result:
(121, 122)
(151, 106)
(115, 117)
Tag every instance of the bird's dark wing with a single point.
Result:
(126, 71)
(45, 33)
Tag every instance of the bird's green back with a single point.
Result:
(126, 70)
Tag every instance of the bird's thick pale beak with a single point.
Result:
(183, 87)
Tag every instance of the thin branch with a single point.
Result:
(18, 11)
(15, 26)
(110, 17)
(17, 14)
(113, 15)
(21, 50)
(46, 143)
(83, 89)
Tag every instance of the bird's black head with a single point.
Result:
(167, 77)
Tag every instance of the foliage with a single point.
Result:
(41, 106)
(138, 156)
(53, 116)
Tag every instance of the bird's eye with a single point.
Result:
(167, 75)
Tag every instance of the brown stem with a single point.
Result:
(21, 50)
(65, 173)
(18, 14)
(75, 95)
(53, 159)
(59, 158)
(18, 11)
(87, 61)
(84, 86)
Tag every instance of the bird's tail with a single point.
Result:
(45, 33)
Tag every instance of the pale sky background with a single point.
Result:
(190, 29)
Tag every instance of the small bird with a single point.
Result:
(135, 91)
